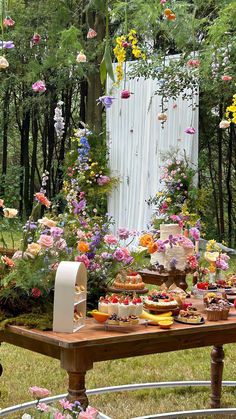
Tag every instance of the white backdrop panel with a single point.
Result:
(136, 141)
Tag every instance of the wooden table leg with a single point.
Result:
(77, 363)
(77, 390)
(217, 363)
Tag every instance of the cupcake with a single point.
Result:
(225, 309)
(214, 312)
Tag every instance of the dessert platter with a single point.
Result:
(190, 316)
(217, 308)
(131, 282)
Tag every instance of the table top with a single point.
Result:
(101, 344)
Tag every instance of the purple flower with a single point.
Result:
(106, 255)
(103, 180)
(30, 226)
(118, 255)
(224, 257)
(161, 246)
(79, 206)
(91, 255)
(221, 264)
(106, 101)
(123, 233)
(172, 240)
(7, 44)
(128, 260)
(190, 130)
(56, 232)
(195, 233)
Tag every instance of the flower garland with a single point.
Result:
(124, 42)
(231, 110)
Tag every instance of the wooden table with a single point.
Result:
(77, 352)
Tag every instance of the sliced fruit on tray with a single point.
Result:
(99, 316)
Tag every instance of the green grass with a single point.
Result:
(23, 369)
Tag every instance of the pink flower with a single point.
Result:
(84, 259)
(36, 39)
(45, 241)
(103, 180)
(195, 233)
(39, 86)
(86, 415)
(1, 203)
(125, 94)
(110, 239)
(59, 415)
(39, 392)
(221, 264)
(193, 63)
(36, 292)
(123, 233)
(66, 404)
(163, 1)
(190, 130)
(81, 234)
(224, 257)
(118, 255)
(92, 411)
(60, 244)
(125, 251)
(91, 33)
(226, 78)
(43, 407)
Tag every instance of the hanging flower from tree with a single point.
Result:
(8, 22)
(3, 63)
(39, 86)
(81, 57)
(36, 39)
(123, 43)
(91, 33)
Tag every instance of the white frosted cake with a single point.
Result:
(175, 253)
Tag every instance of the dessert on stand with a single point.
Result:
(128, 282)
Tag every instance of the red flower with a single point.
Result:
(36, 292)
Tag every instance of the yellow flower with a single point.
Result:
(211, 256)
(33, 248)
(168, 199)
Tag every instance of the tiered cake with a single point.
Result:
(173, 248)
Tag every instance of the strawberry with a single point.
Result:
(115, 300)
(126, 302)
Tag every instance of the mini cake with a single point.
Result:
(132, 281)
(173, 248)
(160, 300)
(191, 315)
(214, 312)
(103, 304)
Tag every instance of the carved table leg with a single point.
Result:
(217, 363)
(77, 390)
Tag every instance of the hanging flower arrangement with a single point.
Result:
(231, 111)
(39, 86)
(36, 39)
(3, 63)
(91, 33)
(123, 43)
(8, 22)
(81, 57)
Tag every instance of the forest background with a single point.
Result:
(29, 144)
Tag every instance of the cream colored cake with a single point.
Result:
(177, 252)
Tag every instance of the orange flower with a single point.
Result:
(167, 12)
(42, 199)
(9, 262)
(83, 247)
(172, 16)
(145, 240)
(152, 248)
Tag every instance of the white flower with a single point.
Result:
(26, 416)
(224, 124)
(10, 212)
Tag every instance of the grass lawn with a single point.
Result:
(23, 369)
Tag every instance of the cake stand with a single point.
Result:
(168, 278)
(126, 291)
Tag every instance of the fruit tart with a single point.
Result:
(162, 301)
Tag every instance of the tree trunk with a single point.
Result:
(34, 153)
(229, 187)
(6, 102)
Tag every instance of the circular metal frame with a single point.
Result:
(139, 386)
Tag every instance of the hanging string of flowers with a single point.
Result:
(231, 112)
(123, 44)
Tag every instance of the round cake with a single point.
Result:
(160, 301)
(129, 282)
(173, 248)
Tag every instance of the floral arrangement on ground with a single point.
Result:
(79, 233)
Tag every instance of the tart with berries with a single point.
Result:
(160, 301)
